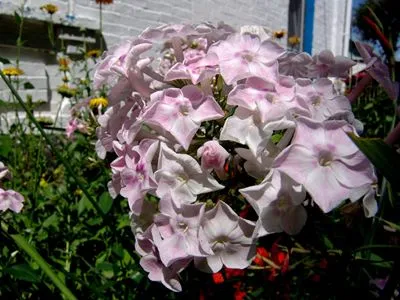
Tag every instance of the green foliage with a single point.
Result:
(381, 155)
(18, 18)
(382, 13)
(95, 256)
(4, 60)
(28, 86)
(375, 110)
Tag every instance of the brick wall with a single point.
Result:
(125, 18)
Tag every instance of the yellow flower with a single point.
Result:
(279, 34)
(49, 8)
(12, 71)
(43, 183)
(96, 102)
(294, 40)
(58, 171)
(63, 62)
(95, 53)
(78, 192)
(65, 91)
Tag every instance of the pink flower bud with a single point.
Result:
(213, 155)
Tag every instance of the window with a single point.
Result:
(296, 21)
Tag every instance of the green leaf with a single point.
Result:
(386, 247)
(18, 18)
(83, 205)
(106, 269)
(327, 242)
(137, 277)
(378, 261)
(123, 221)
(23, 272)
(31, 251)
(51, 221)
(391, 224)
(28, 86)
(382, 156)
(368, 106)
(6, 145)
(5, 60)
(105, 202)
(377, 21)
(118, 250)
(94, 221)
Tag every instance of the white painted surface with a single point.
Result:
(125, 18)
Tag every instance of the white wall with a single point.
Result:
(329, 25)
(125, 18)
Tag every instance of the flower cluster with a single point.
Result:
(222, 119)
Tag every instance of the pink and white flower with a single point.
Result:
(244, 55)
(329, 165)
(278, 203)
(179, 226)
(213, 155)
(237, 106)
(182, 176)
(11, 200)
(180, 112)
(230, 238)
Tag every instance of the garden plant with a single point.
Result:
(204, 161)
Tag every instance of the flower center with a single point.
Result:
(183, 178)
(121, 60)
(182, 226)
(316, 101)
(247, 56)
(184, 109)
(271, 98)
(257, 118)
(219, 244)
(283, 202)
(325, 159)
(140, 172)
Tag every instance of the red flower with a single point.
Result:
(245, 211)
(280, 257)
(283, 259)
(316, 278)
(237, 285)
(261, 251)
(272, 275)
(239, 295)
(201, 295)
(229, 273)
(218, 278)
(323, 264)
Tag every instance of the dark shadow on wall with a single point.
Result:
(296, 21)
(35, 35)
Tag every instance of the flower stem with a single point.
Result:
(56, 152)
(359, 88)
(23, 244)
